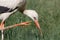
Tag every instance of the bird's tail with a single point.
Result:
(2, 36)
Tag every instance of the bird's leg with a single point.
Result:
(2, 29)
(2, 25)
(24, 23)
(19, 24)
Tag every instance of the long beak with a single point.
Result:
(38, 26)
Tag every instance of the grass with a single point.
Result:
(49, 19)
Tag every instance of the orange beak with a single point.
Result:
(37, 25)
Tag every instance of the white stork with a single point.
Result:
(8, 7)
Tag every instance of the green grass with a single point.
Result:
(49, 19)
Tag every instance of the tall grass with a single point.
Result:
(49, 19)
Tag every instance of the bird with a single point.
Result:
(8, 7)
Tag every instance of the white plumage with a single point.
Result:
(11, 3)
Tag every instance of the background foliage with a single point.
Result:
(49, 19)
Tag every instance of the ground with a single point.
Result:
(49, 19)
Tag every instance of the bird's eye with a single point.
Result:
(35, 18)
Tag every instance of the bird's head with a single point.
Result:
(34, 16)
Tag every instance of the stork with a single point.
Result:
(8, 7)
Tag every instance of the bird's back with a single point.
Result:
(5, 5)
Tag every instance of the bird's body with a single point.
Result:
(7, 5)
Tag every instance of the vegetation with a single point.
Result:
(49, 19)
